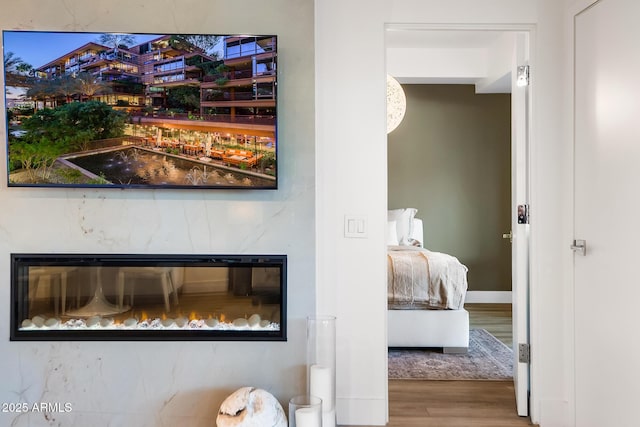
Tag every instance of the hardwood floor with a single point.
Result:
(453, 404)
(495, 318)
(414, 403)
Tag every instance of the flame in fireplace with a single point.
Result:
(193, 316)
(144, 316)
(223, 317)
(164, 316)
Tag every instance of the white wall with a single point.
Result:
(552, 205)
(425, 60)
(351, 171)
(351, 175)
(500, 58)
(415, 65)
(167, 383)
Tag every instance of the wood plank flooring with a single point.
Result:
(415, 403)
(453, 404)
(495, 318)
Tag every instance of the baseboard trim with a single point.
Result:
(361, 412)
(488, 297)
(554, 413)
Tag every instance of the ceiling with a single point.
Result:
(449, 57)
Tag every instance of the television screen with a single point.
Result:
(141, 110)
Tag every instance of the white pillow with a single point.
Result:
(392, 233)
(404, 219)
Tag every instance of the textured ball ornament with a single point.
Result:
(251, 407)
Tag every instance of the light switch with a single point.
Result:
(355, 226)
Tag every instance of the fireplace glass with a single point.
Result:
(148, 297)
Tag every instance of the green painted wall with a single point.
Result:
(450, 158)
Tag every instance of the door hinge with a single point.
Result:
(523, 214)
(522, 76)
(524, 353)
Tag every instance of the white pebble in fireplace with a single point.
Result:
(96, 322)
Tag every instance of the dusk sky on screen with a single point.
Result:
(39, 48)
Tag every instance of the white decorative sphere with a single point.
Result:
(251, 407)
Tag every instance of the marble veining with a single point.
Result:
(165, 384)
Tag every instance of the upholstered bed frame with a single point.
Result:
(448, 329)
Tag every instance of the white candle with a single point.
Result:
(321, 385)
(329, 418)
(307, 417)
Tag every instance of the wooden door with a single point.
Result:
(519, 224)
(607, 200)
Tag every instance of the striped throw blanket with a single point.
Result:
(419, 279)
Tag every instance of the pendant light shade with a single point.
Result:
(396, 104)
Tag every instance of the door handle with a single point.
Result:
(508, 235)
(579, 247)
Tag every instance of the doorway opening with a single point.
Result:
(452, 177)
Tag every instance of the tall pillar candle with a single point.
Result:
(329, 418)
(321, 364)
(321, 384)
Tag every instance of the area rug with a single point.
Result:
(487, 359)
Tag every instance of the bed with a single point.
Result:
(426, 290)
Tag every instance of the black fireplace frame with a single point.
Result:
(124, 260)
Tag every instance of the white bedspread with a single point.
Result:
(419, 278)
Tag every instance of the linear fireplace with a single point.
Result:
(148, 297)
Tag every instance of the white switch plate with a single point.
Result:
(355, 226)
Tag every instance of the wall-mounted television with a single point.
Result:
(113, 110)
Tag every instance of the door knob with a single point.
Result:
(508, 235)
